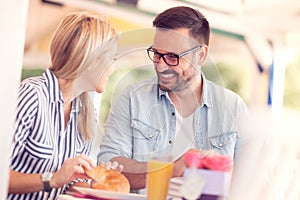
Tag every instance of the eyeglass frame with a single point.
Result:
(178, 56)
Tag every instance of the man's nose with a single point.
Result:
(161, 65)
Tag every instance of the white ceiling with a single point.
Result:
(271, 18)
(259, 21)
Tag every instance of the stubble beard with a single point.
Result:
(178, 86)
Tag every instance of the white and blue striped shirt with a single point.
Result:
(40, 142)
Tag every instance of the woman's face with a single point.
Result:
(107, 57)
(97, 68)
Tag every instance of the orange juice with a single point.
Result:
(158, 178)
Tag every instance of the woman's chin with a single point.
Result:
(100, 89)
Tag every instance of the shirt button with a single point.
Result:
(150, 136)
(220, 145)
(170, 141)
(173, 113)
(197, 122)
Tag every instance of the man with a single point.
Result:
(178, 111)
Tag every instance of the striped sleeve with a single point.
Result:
(25, 116)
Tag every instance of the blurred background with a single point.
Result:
(254, 51)
(254, 47)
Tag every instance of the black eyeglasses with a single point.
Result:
(170, 59)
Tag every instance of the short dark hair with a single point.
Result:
(185, 17)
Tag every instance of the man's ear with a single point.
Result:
(203, 52)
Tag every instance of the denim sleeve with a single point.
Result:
(117, 139)
(242, 111)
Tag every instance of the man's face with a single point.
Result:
(180, 77)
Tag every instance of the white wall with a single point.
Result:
(13, 17)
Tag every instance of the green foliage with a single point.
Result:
(117, 82)
(26, 73)
(229, 75)
(292, 85)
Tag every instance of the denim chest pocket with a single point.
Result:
(224, 143)
(144, 131)
(146, 138)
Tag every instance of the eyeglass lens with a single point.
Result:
(169, 58)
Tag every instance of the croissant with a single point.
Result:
(108, 179)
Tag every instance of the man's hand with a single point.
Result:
(180, 165)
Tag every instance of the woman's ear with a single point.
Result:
(203, 51)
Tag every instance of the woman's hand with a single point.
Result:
(71, 169)
(110, 165)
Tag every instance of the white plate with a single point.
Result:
(110, 194)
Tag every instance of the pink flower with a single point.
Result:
(193, 159)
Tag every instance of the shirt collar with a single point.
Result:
(161, 93)
(55, 92)
(52, 86)
(206, 95)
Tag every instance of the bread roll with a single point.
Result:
(111, 180)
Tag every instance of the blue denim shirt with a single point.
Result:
(142, 121)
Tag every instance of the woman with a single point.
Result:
(54, 125)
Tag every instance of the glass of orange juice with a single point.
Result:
(158, 177)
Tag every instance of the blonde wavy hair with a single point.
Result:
(79, 34)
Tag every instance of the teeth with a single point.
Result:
(167, 75)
